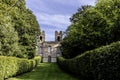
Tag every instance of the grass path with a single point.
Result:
(45, 71)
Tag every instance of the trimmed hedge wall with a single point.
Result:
(12, 66)
(99, 64)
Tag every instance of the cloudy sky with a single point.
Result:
(54, 15)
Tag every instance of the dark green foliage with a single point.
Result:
(92, 27)
(11, 66)
(25, 28)
(99, 64)
(110, 10)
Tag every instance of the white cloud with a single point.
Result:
(56, 17)
(85, 2)
(67, 2)
(53, 20)
(75, 2)
(36, 5)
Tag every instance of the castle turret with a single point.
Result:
(58, 36)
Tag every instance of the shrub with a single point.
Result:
(11, 66)
(99, 64)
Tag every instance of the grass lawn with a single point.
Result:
(45, 71)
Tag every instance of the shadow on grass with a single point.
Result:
(46, 71)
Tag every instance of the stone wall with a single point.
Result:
(51, 49)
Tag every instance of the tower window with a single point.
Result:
(58, 38)
(41, 38)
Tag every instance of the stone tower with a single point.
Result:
(58, 36)
(42, 36)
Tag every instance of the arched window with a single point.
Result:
(49, 49)
(58, 38)
(41, 38)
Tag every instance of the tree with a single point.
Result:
(110, 9)
(92, 27)
(8, 38)
(24, 23)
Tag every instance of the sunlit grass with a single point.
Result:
(45, 71)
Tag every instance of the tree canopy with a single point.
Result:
(18, 28)
(92, 27)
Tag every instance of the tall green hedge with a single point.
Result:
(99, 64)
(12, 66)
(8, 37)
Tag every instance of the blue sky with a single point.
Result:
(54, 15)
